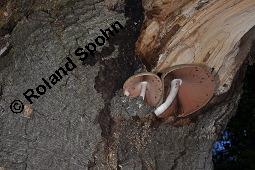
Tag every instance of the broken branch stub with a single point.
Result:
(205, 32)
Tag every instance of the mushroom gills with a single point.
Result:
(147, 85)
(142, 87)
(198, 85)
(175, 85)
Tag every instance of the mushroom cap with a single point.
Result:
(196, 90)
(154, 89)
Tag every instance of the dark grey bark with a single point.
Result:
(84, 122)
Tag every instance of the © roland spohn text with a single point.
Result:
(47, 83)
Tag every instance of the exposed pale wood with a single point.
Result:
(161, 9)
(206, 32)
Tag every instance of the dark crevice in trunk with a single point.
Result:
(113, 72)
(235, 147)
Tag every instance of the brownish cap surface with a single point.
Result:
(196, 90)
(154, 89)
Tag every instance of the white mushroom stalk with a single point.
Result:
(143, 87)
(175, 85)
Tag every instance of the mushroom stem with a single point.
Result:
(143, 88)
(175, 84)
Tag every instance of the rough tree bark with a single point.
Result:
(84, 122)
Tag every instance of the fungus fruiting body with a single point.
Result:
(175, 85)
(143, 88)
(196, 89)
(146, 85)
(184, 89)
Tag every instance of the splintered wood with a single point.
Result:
(202, 31)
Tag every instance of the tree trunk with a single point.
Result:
(84, 121)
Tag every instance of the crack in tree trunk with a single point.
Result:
(85, 121)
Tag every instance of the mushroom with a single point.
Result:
(192, 87)
(146, 85)
(175, 85)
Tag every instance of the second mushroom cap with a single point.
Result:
(196, 90)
